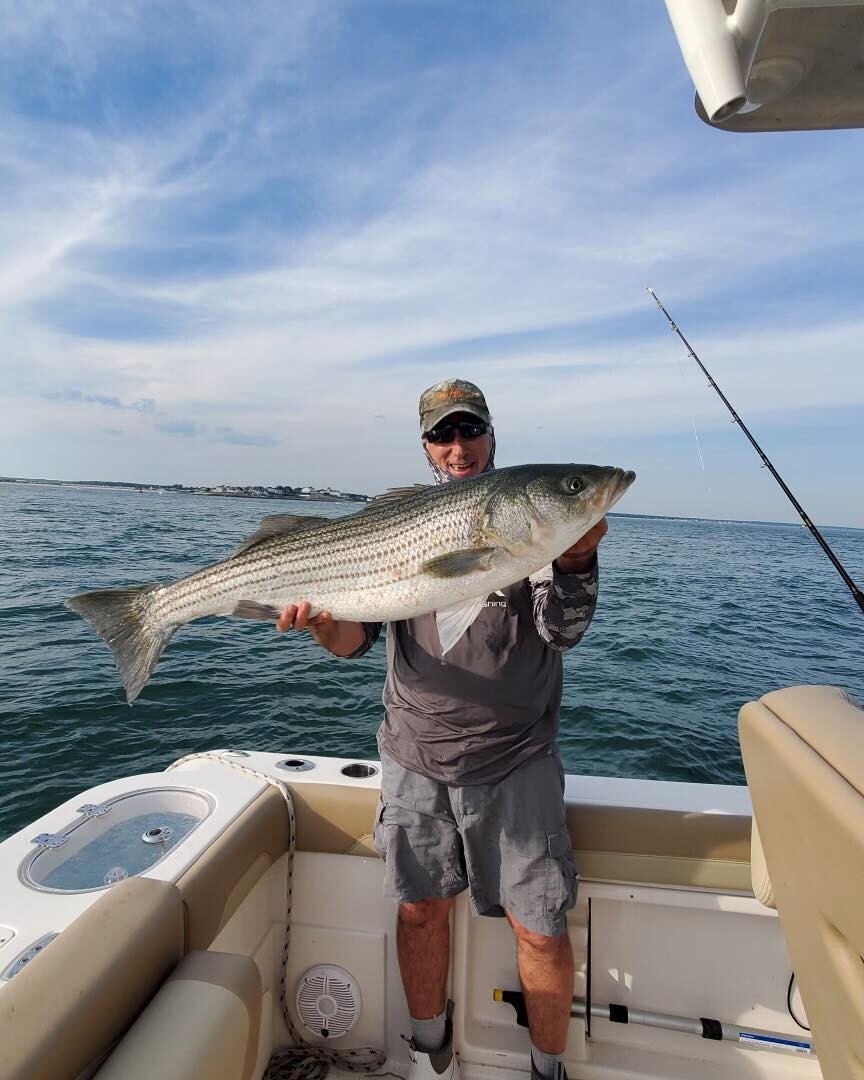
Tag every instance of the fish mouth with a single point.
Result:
(618, 485)
(624, 481)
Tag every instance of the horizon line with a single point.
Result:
(616, 513)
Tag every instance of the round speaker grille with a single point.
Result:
(328, 1000)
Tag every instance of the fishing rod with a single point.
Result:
(823, 543)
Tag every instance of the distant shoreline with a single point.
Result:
(244, 492)
(730, 521)
(155, 489)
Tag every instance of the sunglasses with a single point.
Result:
(446, 433)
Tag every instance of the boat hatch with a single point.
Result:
(127, 836)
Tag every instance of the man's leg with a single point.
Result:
(417, 836)
(423, 947)
(546, 971)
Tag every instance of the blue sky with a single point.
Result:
(239, 239)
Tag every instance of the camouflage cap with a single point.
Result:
(451, 396)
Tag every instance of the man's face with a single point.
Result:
(462, 457)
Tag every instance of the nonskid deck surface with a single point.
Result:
(469, 1072)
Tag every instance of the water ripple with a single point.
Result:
(695, 618)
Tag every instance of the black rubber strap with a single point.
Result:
(517, 999)
(619, 1014)
(588, 979)
(711, 1029)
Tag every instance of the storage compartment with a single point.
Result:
(115, 840)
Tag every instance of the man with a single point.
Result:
(472, 785)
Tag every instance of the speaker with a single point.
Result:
(328, 1000)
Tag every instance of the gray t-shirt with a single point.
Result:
(493, 704)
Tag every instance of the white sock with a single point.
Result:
(550, 1066)
(428, 1035)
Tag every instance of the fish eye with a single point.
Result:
(574, 484)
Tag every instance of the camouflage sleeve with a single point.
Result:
(371, 632)
(563, 604)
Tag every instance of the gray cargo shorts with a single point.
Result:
(507, 843)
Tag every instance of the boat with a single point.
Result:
(143, 922)
(773, 65)
(189, 923)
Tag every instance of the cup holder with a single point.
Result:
(357, 770)
(295, 764)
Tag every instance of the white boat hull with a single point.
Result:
(675, 928)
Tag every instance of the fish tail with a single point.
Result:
(119, 617)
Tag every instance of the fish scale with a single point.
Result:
(441, 549)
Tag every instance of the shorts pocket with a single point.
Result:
(378, 839)
(562, 877)
(422, 854)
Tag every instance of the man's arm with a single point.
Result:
(346, 639)
(565, 595)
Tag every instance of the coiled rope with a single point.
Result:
(299, 1061)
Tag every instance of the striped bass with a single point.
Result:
(410, 552)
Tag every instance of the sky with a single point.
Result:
(237, 240)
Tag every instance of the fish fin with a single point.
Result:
(397, 494)
(459, 563)
(278, 525)
(251, 609)
(117, 616)
(452, 622)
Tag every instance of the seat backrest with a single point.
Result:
(204, 1021)
(62, 1013)
(803, 752)
(230, 866)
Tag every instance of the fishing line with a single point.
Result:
(802, 513)
(729, 542)
(699, 450)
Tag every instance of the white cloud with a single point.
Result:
(510, 237)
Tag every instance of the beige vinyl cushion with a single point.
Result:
(803, 752)
(762, 889)
(203, 1023)
(663, 847)
(228, 869)
(335, 818)
(62, 1013)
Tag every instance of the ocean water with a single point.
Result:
(695, 617)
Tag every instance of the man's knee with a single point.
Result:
(549, 945)
(425, 913)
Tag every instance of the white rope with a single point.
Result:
(299, 1061)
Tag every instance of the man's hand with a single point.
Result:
(580, 557)
(339, 638)
(296, 617)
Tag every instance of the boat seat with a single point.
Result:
(62, 1013)
(203, 1022)
(803, 751)
(611, 843)
(759, 878)
(218, 881)
(661, 847)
